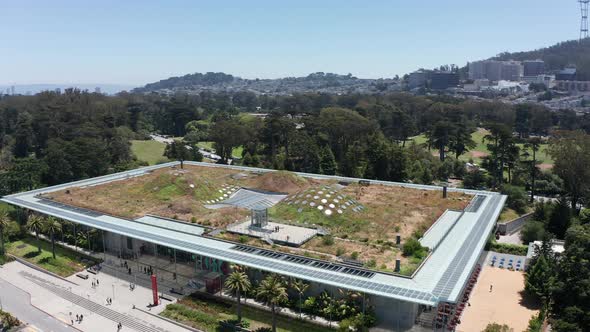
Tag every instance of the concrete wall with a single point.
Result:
(514, 225)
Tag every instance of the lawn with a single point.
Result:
(205, 314)
(236, 153)
(66, 263)
(481, 149)
(151, 152)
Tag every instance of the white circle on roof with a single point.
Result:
(191, 185)
(336, 200)
(332, 206)
(324, 201)
(320, 192)
(339, 211)
(297, 202)
(300, 210)
(220, 190)
(328, 212)
(343, 207)
(312, 204)
(308, 195)
(304, 202)
(328, 195)
(224, 195)
(331, 192)
(316, 197)
(320, 207)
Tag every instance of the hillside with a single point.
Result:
(558, 56)
(315, 82)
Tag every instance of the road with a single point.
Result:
(17, 302)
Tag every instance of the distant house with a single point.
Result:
(557, 247)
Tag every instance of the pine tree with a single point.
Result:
(328, 162)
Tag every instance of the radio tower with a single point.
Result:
(584, 23)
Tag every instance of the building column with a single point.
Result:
(104, 247)
(75, 238)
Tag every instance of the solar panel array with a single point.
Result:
(448, 282)
(306, 261)
(475, 203)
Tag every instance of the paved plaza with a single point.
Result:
(504, 304)
(282, 233)
(64, 299)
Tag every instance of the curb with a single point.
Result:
(40, 269)
(168, 320)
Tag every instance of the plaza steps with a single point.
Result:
(126, 320)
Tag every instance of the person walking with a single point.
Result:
(491, 286)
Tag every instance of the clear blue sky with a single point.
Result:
(136, 42)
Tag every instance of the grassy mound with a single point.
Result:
(281, 181)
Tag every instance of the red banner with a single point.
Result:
(155, 289)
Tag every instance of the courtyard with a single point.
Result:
(504, 304)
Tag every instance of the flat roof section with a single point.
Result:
(441, 277)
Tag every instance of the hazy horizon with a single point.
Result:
(137, 42)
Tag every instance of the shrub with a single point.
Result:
(243, 239)
(517, 198)
(354, 255)
(339, 251)
(495, 327)
(411, 247)
(505, 248)
(328, 240)
(263, 329)
(193, 219)
(372, 263)
(8, 320)
(532, 231)
(535, 324)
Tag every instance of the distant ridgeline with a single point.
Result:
(558, 56)
(316, 82)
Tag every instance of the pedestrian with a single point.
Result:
(72, 321)
(491, 286)
(77, 317)
(96, 282)
(81, 318)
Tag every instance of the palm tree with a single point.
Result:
(4, 220)
(300, 287)
(273, 292)
(35, 224)
(238, 283)
(52, 226)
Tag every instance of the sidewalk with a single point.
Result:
(60, 298)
